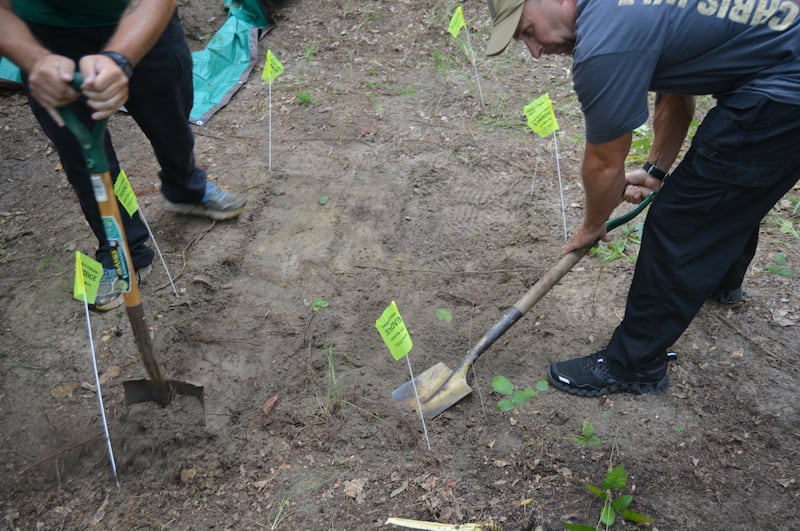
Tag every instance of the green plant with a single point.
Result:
(587, 436)
(408, 91)
(303, 97)
(780, 267)
(309, 52)
(371, 84)
(318, 304)
(330, 403)
(629, 235)
(444, 315)
(640, 145)
(794, 201)
(376, 106)
(613, 505)
(786, 226)
(504, 387)
(440, 64)
(280, 515)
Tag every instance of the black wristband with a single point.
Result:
(655, 171)
(121, 61)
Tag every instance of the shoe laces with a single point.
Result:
(598, 358)
(213, 192)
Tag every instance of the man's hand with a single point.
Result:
(585, 236)
(49, 81)
(105, 85)
(639, 183)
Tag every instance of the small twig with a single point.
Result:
(17, 363)
(761, 350)
(226, 340)
(61, 452)
(435, 271)
(196, 239)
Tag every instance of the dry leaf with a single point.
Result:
(111, 373)
(269, 404)
(188, 474)
(399, 489)
(64, 391)
(355, 489)
(100, 513)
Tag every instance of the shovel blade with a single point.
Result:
(438, 388)
(138, 391)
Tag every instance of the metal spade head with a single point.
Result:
(438, 387)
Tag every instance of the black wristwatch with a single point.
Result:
(655, 171)
(121, 61)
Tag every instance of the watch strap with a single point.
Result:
(121, 61)
(654, 171)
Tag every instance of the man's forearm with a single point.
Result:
(140, 27)
(671, 119)
(16, 41)
(604, 178)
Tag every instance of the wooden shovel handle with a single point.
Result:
(540, 289)
(550, 279)
(92, 145)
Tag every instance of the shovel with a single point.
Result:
(439, 388)
(157, 389)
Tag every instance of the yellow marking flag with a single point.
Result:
(457, 22)
(541, 117)
(394, 333)
(87, 277)
(272, 68)
(124, 192)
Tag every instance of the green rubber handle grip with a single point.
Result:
(91, 142)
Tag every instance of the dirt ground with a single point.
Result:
(395, 183)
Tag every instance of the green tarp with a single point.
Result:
(223, 66)
(220, 69)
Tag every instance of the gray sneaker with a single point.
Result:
(109, 292)
(217, 204)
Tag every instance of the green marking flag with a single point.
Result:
(272, 68)
(124, 192)
(457, 22)
(394, 333)
(87, 277)
(541, 117)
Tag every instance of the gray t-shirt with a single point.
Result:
(625, 48)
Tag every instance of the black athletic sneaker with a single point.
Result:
(733, 296)
(594, 375)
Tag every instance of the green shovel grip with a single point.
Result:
(613, 223)
(91, 141)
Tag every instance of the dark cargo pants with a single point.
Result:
(701, 231)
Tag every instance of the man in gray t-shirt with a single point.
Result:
(702, 231)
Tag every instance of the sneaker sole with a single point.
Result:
(201, 211)
(117, 301)
(638, 388)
